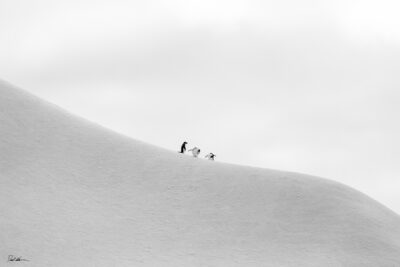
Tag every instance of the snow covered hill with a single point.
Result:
(75, 194)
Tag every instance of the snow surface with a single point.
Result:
(75, 194)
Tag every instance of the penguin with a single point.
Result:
(183, 148)
(195, 151)
(210, 156)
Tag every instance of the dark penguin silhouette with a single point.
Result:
(183, 147)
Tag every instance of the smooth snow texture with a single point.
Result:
(75, 194)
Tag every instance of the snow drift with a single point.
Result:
(75, 194)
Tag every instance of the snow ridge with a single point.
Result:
(75, 194)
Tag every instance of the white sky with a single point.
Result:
(307, 86)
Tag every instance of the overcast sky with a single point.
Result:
(306, 86)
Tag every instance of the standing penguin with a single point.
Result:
(183, 148)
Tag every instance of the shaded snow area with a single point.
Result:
(75, 194)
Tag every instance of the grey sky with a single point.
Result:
(307, 86)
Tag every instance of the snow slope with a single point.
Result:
(75, 194)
